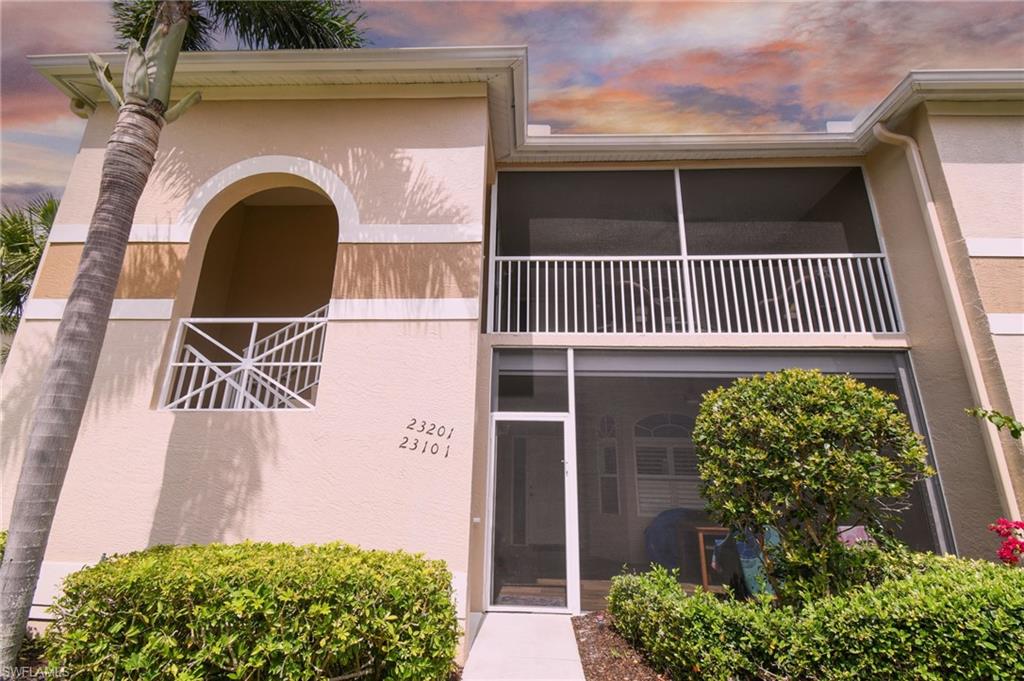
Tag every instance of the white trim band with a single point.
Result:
(71, 233)
(403, 308)
(383, 233)
(123, 308)
(986, 247)
(340, 308)
(412, 234)
(48, 586)
(1006, 323)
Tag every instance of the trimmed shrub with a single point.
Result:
(3, 543)
(698, 636)
(933, 618)
(804, 452)
(256, 611)
(955, 619)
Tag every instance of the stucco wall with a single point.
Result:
(981, 151)
(151, 270)
(141, 476)
(416, 161)
(963, 465)
(974, 159)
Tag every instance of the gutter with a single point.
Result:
(954, 303)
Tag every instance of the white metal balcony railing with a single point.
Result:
(277, 367)
(832, 293)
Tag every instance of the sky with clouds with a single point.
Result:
(680, 67)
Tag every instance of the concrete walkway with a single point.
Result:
(517, 646)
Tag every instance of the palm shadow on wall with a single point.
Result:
(216, 464)
(402, 270)
(121, 375)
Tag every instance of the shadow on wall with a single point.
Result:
(403, 270)
(388, 186)
(151, 271)
(19, 387)
(122, 376)
(417, 198)
(213, 472)
(216, 463)
(399, 271)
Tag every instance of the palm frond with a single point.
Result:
(133, 20)
(23, 234)
(290, 24)
(263, 24)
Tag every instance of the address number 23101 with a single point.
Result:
(429, 438)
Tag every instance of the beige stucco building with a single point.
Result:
(362, 302)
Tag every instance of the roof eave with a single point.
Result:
(917, 87)
(504, 68)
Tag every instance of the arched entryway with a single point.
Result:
(254, 316)
(272, 254)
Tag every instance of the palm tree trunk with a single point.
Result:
(65, 388)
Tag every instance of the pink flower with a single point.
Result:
(1012, 531)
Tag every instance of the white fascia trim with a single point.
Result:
(403, 308)
(72, 233)
(412, 234)
(992, 247)
(123, 308)
(234, 64)
(1006, 323)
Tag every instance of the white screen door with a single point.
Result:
(533, 519)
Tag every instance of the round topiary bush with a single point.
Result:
(802, 453)
(256, 611)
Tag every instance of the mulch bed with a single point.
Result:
(606, 656)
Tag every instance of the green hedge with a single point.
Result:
(945, 618)
(3, 543)
(698, 636)
(256, 611)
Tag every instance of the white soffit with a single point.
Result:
(322, 73)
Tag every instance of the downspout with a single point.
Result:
(954, 302)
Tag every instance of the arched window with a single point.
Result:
(666, 465)
(664, 425)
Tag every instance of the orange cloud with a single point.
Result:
(625, 67)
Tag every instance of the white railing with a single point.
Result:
(831, 293)
(222, 363)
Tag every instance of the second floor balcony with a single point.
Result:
(239, 364)
(849, 293)
(759, 251)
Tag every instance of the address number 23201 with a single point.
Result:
(429, 438)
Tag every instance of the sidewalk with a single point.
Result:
(516, 646)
